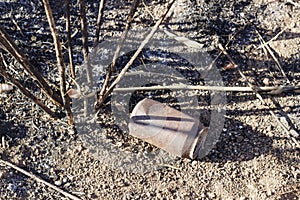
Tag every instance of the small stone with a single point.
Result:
(65, 180)
(266, 82)
(58, 182)
(287, 109)
(119, 144)
(194, 163)
(294, 133)
(211, 195)
(239, 138)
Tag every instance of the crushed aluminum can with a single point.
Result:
(167, 128)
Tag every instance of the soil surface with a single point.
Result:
(255, 157)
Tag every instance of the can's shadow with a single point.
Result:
(240, 142)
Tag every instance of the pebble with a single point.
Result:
(194, 163)
(287, 109)
(239, 138)
(266, 81)
(58, 182)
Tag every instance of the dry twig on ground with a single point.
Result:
(38, 179)
(60, 62)
(264, 45)
(270, 89)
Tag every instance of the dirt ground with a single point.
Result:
(254, 158)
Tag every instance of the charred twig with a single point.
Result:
(69, 40)
(253, 88)
(38, 179)
(24, 90)
(85, 49)
(9, 46)
(270, 89)
(99, 21)
(117, 52)
(60, 62)
(101, 99)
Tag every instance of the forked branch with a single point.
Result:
(101, 99)
(111, 69)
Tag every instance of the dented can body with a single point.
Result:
(167, 128)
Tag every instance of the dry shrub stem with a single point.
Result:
(270, 89)
(9, 46)
(26, 92)
(60, 62)
(99, 21)
(85, 49)
(101, 99)
(69, 40)
(38, 179)
(111, 68)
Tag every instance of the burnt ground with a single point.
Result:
(254, 158)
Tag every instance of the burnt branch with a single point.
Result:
(10, 47)
(69, 40)
(85, 49)
(99, 21)
(24, 91)
(60, 62)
